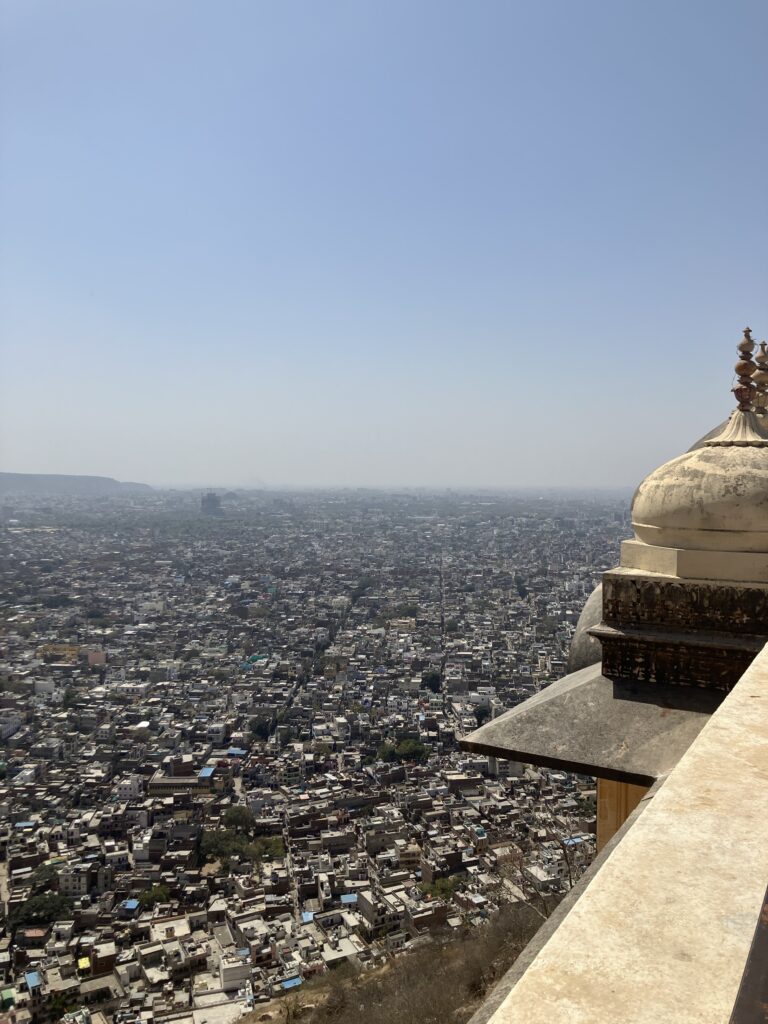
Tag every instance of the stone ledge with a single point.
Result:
(663, 932)
(692, 564)
(548, 928)
(625, 731)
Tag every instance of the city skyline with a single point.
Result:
(399, 246)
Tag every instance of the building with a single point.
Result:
(673, 722)
(210, 504)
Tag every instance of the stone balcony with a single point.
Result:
(666, 925)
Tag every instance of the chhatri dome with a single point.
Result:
(672, 629)
(704, 515)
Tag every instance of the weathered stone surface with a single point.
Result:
(647, 599)
(714, 662)
(587, 723)
(709, 498)
(585, 649)
(664, 659)
(663, 931)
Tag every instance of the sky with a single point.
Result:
(488, 243)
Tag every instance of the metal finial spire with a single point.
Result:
(745, 367)
(760, 378)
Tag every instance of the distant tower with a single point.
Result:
(210, 504)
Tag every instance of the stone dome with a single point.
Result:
(585, 649)
(714, 498)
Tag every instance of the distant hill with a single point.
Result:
(56, 483)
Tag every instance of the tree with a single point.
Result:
(411, 750)
(260, 728)
(512, 869)
(406, 750)
(431, 680)
(157, 894)
(444, 888)
(386, 752)
(482, 714)
(240, 818)
(223, 844)
(42, 909)
(44, 876)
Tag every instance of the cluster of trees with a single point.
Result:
(44, 876)
(431, 680)
(224, 844)
(364, 584)
(240, 818)
(261, 728)
(157, 894)
(43, 909)
(406, 750)
(444, 888)
(403, 611)
(482, 714)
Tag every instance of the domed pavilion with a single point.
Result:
(672, 628)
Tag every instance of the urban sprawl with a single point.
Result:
(230, 731)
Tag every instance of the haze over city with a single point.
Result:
(430, 244)
(383, 512)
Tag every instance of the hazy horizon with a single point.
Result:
(408, 245)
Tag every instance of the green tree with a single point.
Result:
(240, 818)
(431, 680)
(223, 844)
(42, 909)
(157, 894)
(260, 728)
(444, 888)
(411, 750)
(482, 714)
(44, 876)
(406, 750)
(60, 1004)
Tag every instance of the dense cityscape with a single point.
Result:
(230, 730)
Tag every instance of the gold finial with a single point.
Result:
(745, 367)
(760, 378)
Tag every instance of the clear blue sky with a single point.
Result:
(427, 243)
